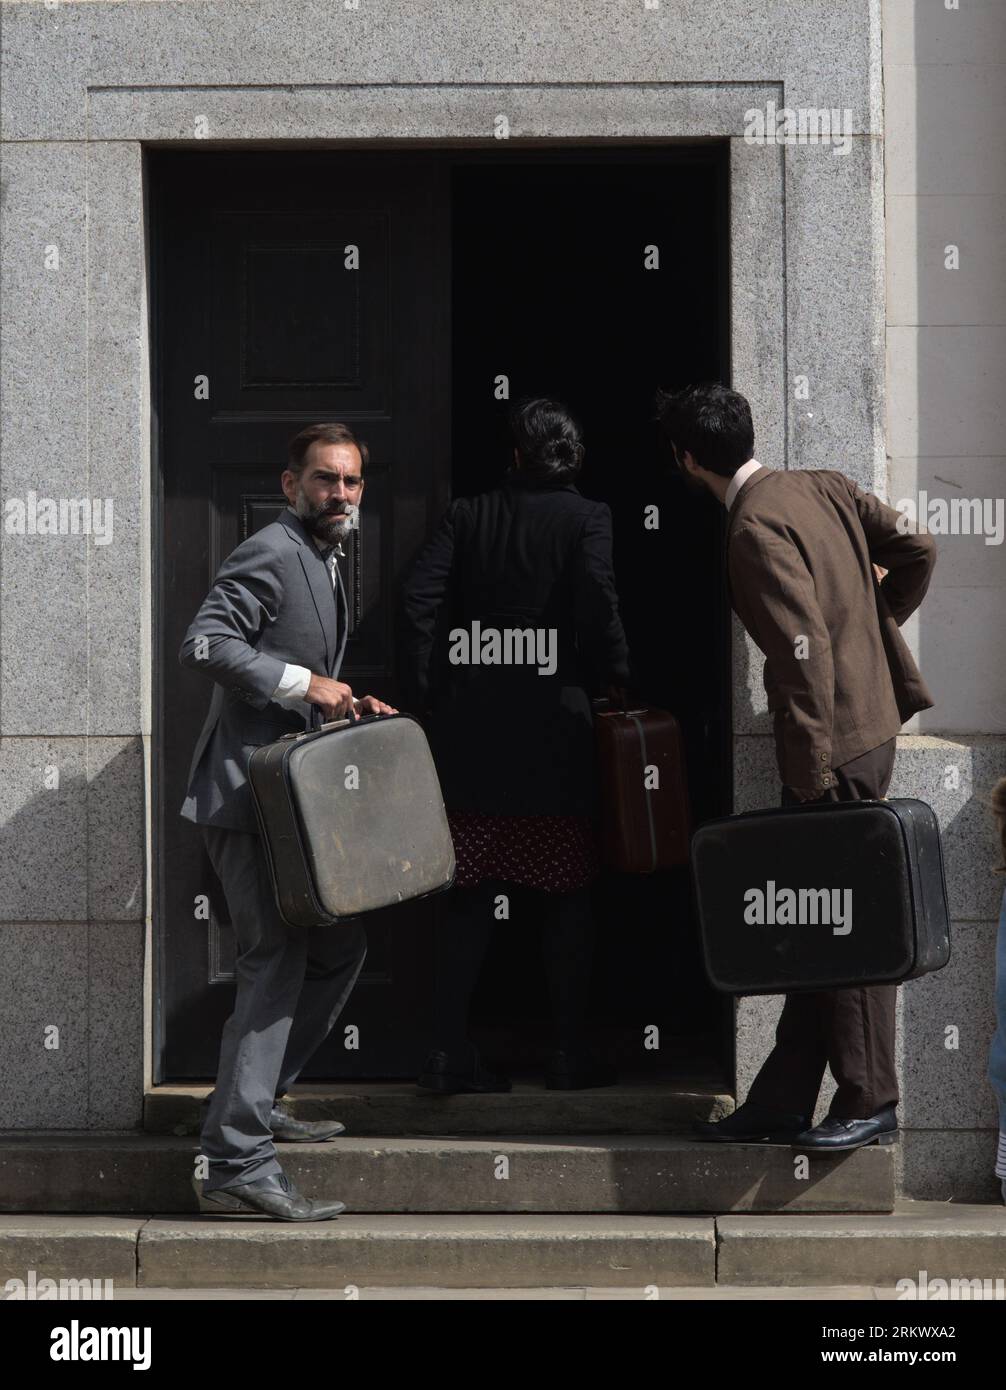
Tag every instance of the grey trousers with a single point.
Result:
(291, 987)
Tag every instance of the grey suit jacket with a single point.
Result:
(272, 602)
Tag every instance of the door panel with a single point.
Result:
(254, 299)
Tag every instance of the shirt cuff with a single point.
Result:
(292, 688)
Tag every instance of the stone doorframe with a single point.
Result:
(806, 264)
(806, 299)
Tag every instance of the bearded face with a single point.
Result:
(327, 491)
(330, 521)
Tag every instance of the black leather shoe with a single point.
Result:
(836, 1136)
(752, 1124)
(286, 1129)
(273, 1196)
(573, 1069)
(448, 1076)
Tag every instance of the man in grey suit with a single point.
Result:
(271, 633)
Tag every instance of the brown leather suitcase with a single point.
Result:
(352, 818)
(643, 827)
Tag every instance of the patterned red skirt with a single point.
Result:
(556, 854)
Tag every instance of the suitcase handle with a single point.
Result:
(317, 725)
(319, 728)
(606, 707)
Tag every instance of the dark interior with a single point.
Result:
(550, 288)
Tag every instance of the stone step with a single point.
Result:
(918, 1241)
(443, 1251)
(149, 1174)
(402, 1108)
(499, 1293)
(943, 1240)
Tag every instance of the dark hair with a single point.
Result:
(710, 422)
(326, 434)
(548, 439)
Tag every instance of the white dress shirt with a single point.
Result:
(294, 682)
(739, 479)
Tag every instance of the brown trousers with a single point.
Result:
(849, 1030)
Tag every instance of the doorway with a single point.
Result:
(471, 266)
(595, 277)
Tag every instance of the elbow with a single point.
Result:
(193, 652)
(929, 553)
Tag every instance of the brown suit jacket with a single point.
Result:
(840, 679)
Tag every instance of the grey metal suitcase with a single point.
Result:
(352, 818)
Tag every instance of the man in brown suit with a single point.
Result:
(822, 575)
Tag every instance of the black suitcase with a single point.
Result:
(826, 896)
(339, 843)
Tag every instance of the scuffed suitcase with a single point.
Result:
(754, 874)
(337, 851)
(642, 828)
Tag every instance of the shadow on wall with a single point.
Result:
(72, 935)
(948, 308)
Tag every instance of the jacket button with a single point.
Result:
(824, 757)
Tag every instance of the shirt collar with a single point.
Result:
(739, 479)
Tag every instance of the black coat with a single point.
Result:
(527, 555)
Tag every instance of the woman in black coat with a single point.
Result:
(511, 621)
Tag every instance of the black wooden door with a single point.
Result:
(267, 320)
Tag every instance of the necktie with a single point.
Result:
(329, 555)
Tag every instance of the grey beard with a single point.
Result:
(328, 527)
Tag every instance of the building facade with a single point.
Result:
(862, 341)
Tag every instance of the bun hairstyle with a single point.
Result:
(548, 440)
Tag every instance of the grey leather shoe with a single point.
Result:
(274, 1196)
(286, 1129)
